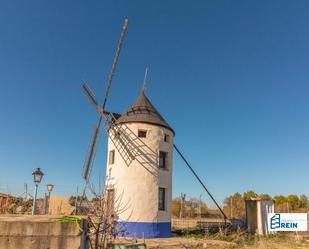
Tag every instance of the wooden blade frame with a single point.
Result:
(92, 151)
(90, 95)
(113, 69)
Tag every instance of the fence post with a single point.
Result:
(84, 242)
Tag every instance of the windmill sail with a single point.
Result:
(112, 72)
(92, 151)
(90, 95)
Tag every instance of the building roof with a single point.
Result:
(142, 111)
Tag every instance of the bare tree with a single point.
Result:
(103, 214)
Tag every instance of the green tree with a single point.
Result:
(234, 206)
(293, 201)
(281, 204)
(280, 199)
(249, 194)
(265, 197)
(303, 201)
(193, 207)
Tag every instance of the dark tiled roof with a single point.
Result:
(144, 112)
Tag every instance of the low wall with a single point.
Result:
(38, 232)
(188, 223)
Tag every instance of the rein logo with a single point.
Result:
(287, 222)
(275, 223)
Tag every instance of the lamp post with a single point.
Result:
(50, 188)
(37, 177)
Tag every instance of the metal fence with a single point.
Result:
(189, 223)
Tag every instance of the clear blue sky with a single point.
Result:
(231, 77)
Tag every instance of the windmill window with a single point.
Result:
(111, 157)
(166, 138)
(142, 133)
(117, 135)
(162, 159)
(161, 199)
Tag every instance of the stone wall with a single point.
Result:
(38, 232)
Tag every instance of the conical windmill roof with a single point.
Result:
(143, 111)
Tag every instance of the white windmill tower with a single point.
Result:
(144, 183)
(139, 168)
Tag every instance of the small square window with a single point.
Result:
(162, 159)
(161, 199)
(111, 157)
(166, 138)
(142, 133)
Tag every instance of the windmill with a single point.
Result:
(129, 143)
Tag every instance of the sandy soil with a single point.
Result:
(188, 243)
(179, 243)
(173, 243)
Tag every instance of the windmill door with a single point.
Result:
(110, 205)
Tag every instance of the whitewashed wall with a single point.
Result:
(136, 187)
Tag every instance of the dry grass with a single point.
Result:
(279, 241)
(232, 241)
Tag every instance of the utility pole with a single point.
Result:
(200, 207)
(182, 205)
(26, 191)
(231, 207)
(76, 201)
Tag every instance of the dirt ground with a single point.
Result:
(290, 242)
(173, 243)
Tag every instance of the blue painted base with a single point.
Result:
(144, 229)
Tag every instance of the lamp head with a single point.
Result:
(37, 176)
(50, 187)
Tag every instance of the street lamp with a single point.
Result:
(50, 188)
(37, 177)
